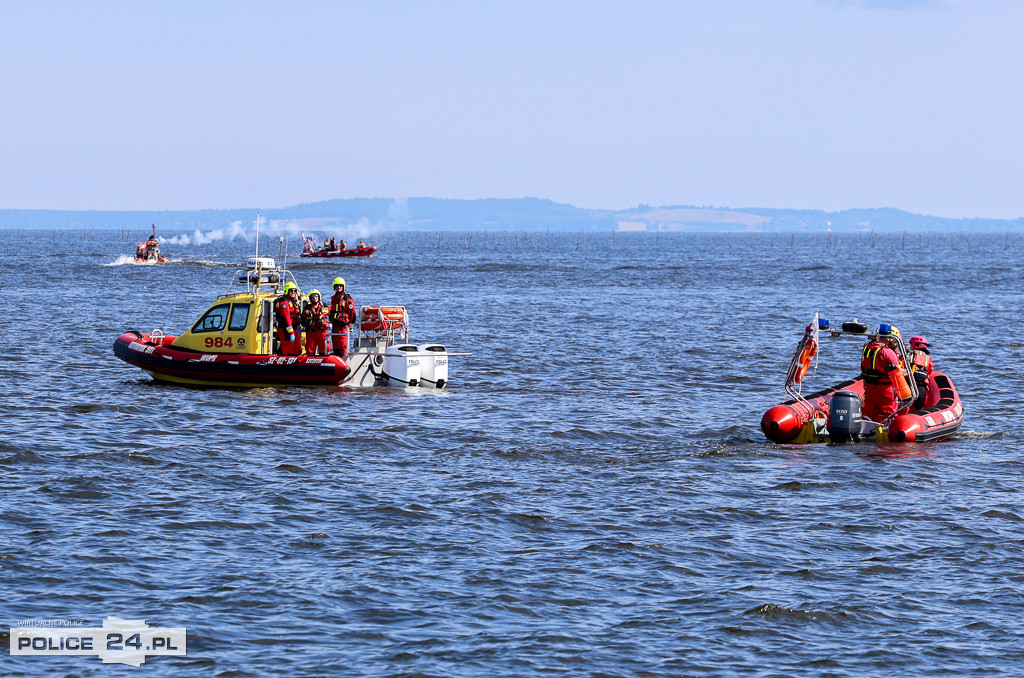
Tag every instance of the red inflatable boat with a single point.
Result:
(833, 414)
(311, 251)
(337, 254)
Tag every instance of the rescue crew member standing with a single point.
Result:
(878, 362)
(921, 366)
(343, 314)
(316, 320)
(286, 313)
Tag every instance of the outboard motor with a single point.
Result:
(402, 364)
(844, 417)
(433, 365)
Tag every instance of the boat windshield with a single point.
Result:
(239, 317)
(213, 320)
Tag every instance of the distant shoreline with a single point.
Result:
(498, 214)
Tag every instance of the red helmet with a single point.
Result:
(918, 342)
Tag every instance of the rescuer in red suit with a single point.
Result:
(342, 314)
(921, 366)
(878, 362)
(286, 313)
(316, 321)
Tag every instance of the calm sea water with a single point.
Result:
(590, 496)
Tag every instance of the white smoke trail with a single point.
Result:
(364, 229)
(235, 230)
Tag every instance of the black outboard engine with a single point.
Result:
(844, 417)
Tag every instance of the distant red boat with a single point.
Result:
(333, 254)
(310, 250)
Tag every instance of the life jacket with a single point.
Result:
(876, 362)
(920, 360)
(315, 316)
(343, 309)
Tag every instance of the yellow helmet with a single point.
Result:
(339, 281)
(314, 291)
(289, 286)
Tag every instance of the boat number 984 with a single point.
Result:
(218, 342)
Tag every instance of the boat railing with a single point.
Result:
(382, 326)
(856, 330)
(261, 272)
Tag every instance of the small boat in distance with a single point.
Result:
(332, 250)
(149, 252)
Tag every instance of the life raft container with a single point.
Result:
(381, 318)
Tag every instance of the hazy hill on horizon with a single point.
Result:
(522, 214)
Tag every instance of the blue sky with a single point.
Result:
(823, 104)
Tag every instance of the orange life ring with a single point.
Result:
(803, 363)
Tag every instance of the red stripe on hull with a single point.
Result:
(160, 359)
(941, 417)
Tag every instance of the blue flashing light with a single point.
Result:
(885, 328)
(822, 323)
